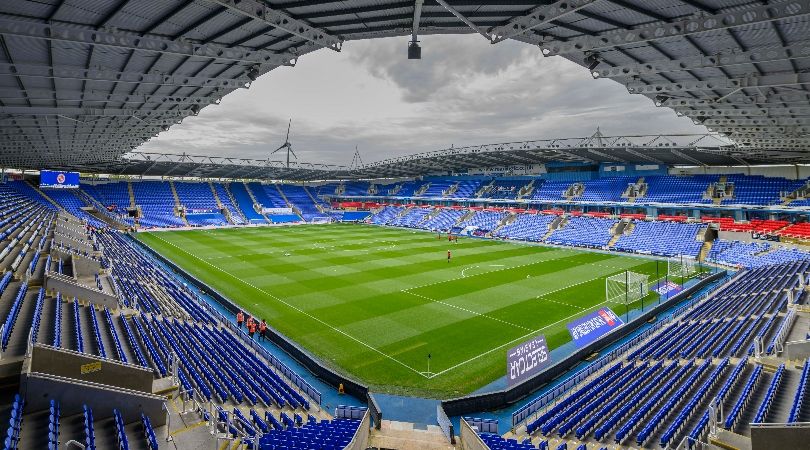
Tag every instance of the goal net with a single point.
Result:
(681, 266)
(321, 219)
(626, 287)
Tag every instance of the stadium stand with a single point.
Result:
(583, 232)
(646, 238)
(156, 201)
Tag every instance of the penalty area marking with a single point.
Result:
(299, 310)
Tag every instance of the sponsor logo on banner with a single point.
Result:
(53, 180)
(667, 288)
(591, 327)
(277, 211)
(527, 359)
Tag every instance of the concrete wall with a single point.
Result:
(469, 438)
(779, 437)
(797, 350)
(360, 441)
(69, 288)
(68, 364)
(38, 390)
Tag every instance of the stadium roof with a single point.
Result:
(688, 149)
(84, 82)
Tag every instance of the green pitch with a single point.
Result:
(374, 302)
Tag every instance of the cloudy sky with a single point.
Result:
(464, 91)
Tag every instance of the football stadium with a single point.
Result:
(602, 291)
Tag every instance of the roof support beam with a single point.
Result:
(537, 17)
(698, 23)
(733, 84)
(145, 42)
(104, 112)
(744, 112)
(94, 74)
(464, 19)
(63, 95)
(765, 121)
(798, 50)
(739, 99)
(277, 19)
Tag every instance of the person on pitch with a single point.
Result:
(448, 256)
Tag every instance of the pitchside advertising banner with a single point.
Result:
(527, 359)
(277, 211)
(58, 180)
(667, 288)
(591, 327)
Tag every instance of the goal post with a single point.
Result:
(681, 266)
(626, 287)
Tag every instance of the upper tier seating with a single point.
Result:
(647, 238)
(504, 189)
(438, 187)
(677, 189)
(605, 189)
(355, 188)
(466, 189)
(759, 190)
(550, 190)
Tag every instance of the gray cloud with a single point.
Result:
(465, 91)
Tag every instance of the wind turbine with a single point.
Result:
(287, 145)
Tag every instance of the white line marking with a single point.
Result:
(297, 309)
(464, 309)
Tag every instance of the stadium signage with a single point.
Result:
(527, 359)
(58, 180)
(275, 211)
(591, 327)
(667, 288)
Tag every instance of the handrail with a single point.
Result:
(76, 443)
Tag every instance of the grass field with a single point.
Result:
(375, 301)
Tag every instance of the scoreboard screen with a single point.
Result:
(49, 179)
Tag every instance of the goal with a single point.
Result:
(681, 266)
(626, 287)
(321, 219)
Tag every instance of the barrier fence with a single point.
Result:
(551, 396)
(294, 378)
(445, 424)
